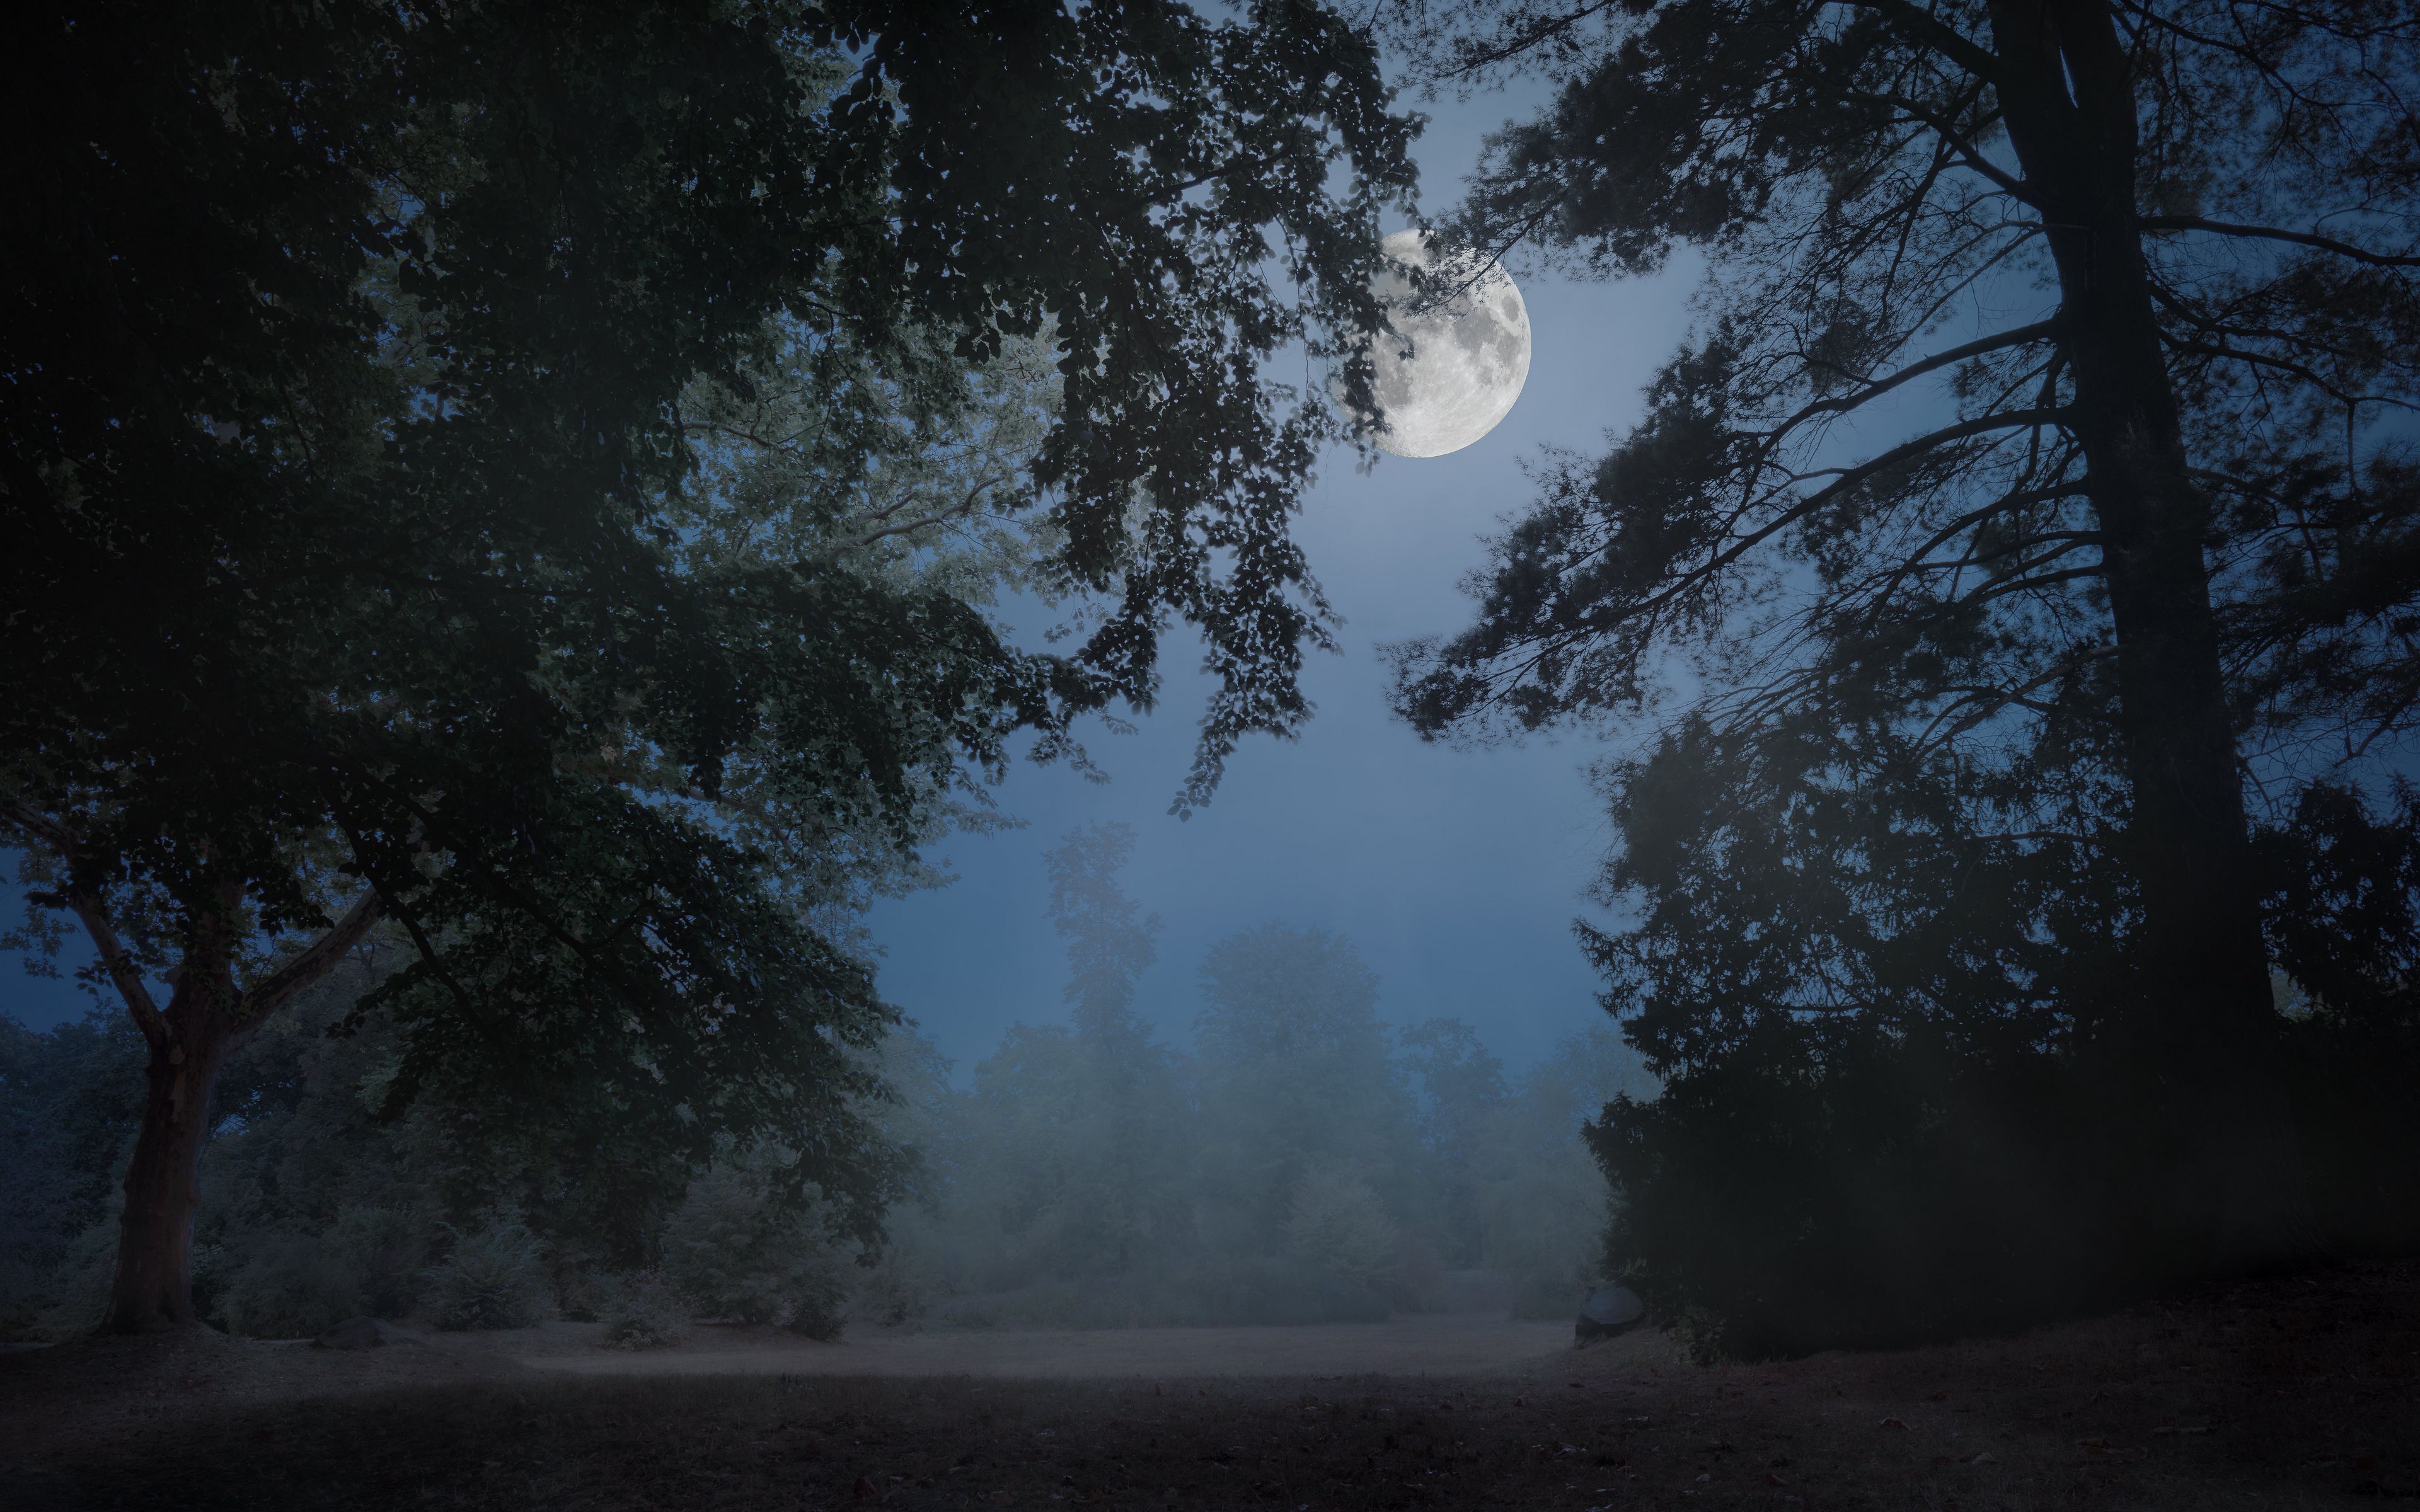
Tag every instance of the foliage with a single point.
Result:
(493, 1277)
(291, 1286)
(1295, 1076)
(2037, 476)
(1543, 1201)
(1462, 1087)
(1337, 1223)
(642, 1312)
(67, 1104)
(735, 1249)
(441, 333)
(1083, 1180)
(1893, 1096)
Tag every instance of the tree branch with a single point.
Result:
(1942, 38)
(114, 959)
(279, 987)
(2303, 239)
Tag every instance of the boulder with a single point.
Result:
(1608, 1311)
(358, 1334)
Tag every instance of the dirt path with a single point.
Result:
(2302, 1392)
(1440, 1345)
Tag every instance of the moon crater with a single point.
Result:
(1467, 356)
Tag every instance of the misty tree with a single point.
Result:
(1295, 1079)
(2053, 362)
(1083, 1151)
(1543, 1199)
(1462, 1085)
(371, 560)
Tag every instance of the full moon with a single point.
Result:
(1468, 359)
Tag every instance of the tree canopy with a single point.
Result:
(2038, 472)
(396, 543)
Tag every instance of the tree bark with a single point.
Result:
(2199, 1046)
(154, 1284)
(207, 1018)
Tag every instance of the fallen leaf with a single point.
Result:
(1892, 1423)
(863, 1488)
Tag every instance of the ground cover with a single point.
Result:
(2301, 1391)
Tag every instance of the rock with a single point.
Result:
(358, 1333)
(1608, 1311)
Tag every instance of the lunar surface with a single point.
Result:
(1469, 357)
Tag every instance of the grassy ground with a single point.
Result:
(2302, 1392)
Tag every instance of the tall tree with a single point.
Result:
(1295, 1079)
(1462, 1088)
(2043, 338)
(363, 563)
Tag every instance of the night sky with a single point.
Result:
(1457, 873)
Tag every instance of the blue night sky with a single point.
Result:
(1456, 872)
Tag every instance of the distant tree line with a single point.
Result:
(1299, 1163)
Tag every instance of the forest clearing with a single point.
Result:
(2289, 1393)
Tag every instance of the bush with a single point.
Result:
(642, 1312)
(1338, 1222)
(77, 1294)
(289, 1286)
(494, 1278)
(1836, 1185)
(386, 1253)
(734, 1250)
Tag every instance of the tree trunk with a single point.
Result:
(2198, 1047)
(154, 1285)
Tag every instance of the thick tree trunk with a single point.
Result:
(154, 1285)
(2198, 1049)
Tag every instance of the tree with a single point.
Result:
(1462, 1088)
(1882, 1120)
(370, 567)
(1295, 1079)
(2048, 343)
(1084, 1128)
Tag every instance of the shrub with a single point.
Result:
(386, 1253)
(734, 1250)
(290, 1286)
(77, 1294)
(494, 1278)
(1338, 1222)
(640, 1312)
(817, 1300)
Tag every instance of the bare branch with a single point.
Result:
(1946, 40)
(2303, 239)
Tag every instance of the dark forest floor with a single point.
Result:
(2295, 1393)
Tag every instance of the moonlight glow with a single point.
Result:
(1469, 357)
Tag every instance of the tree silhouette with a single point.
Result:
(367, 563)
(2050, 348)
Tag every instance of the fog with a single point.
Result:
(704, 704)
(1290, 1160)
